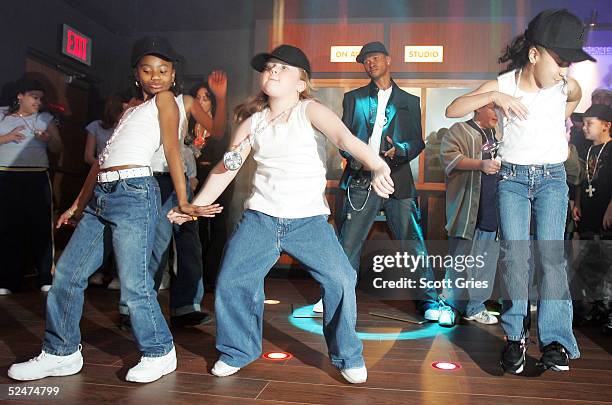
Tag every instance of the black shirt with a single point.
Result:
(593, 208)
(487, 208)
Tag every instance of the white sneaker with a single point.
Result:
(115, 284)
(46, 365)
(448, 316)
(96, 279)
(5, 291)
(318, 307)
(432, 314)
(150, 369)
(45, 288)
(355, 375)
(483, 317)
(220, 369)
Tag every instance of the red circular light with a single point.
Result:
(276, 356)
(446, 365)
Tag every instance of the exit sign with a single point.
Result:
(76, 45)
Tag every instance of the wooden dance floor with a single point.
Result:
(400, 371)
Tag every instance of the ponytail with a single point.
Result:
(517, 53)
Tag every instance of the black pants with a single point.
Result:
(26, 227)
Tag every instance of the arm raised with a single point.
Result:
(326, 121)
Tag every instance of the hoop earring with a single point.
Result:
(136, 83)
(173, 84)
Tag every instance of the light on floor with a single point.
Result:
(277, 356)
(271, 302)
(446, 365)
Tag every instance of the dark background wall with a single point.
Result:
(35, 25)
(215, 34)
(222, 34)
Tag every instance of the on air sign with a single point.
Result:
(76, 45)
(343, 53)
(424, 54)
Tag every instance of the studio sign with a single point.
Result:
(424, 54)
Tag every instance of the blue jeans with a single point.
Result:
(187, 288)
(471, 301)
(541, 190)
(251, 251)
(404, 221)
(130, 210)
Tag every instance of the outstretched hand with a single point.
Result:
(381, 181)
(190, 212)
(217, 81)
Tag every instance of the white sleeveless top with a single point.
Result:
(289, 181)
(137, 136)
(158, 162)
(540, 139)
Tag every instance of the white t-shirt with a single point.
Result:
(102, 135)
(30, 152)
(540, 139)
(381, 119)
(289, 180)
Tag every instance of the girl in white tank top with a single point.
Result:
(534, 96)
(122, 199)
(288, 197)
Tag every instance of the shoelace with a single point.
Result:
(555, 347)
(487, 316)
(43, 354)
(40, 357)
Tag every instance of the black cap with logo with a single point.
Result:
(285, 53)
(371, 47)
(560, 31)
(154, 45)
(599, 111)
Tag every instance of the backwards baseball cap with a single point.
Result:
(371, 47)
(153, 45)
(599, 111)
(560, 31)
(286, 53)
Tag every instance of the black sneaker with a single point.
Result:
(513, 356)
(190, 319)
(554, 357)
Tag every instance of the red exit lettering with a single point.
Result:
(76, 45)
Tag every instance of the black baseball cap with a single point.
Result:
(286, 53)
(153, 45)
(560, 31)
(371, 47)
(599, 111)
